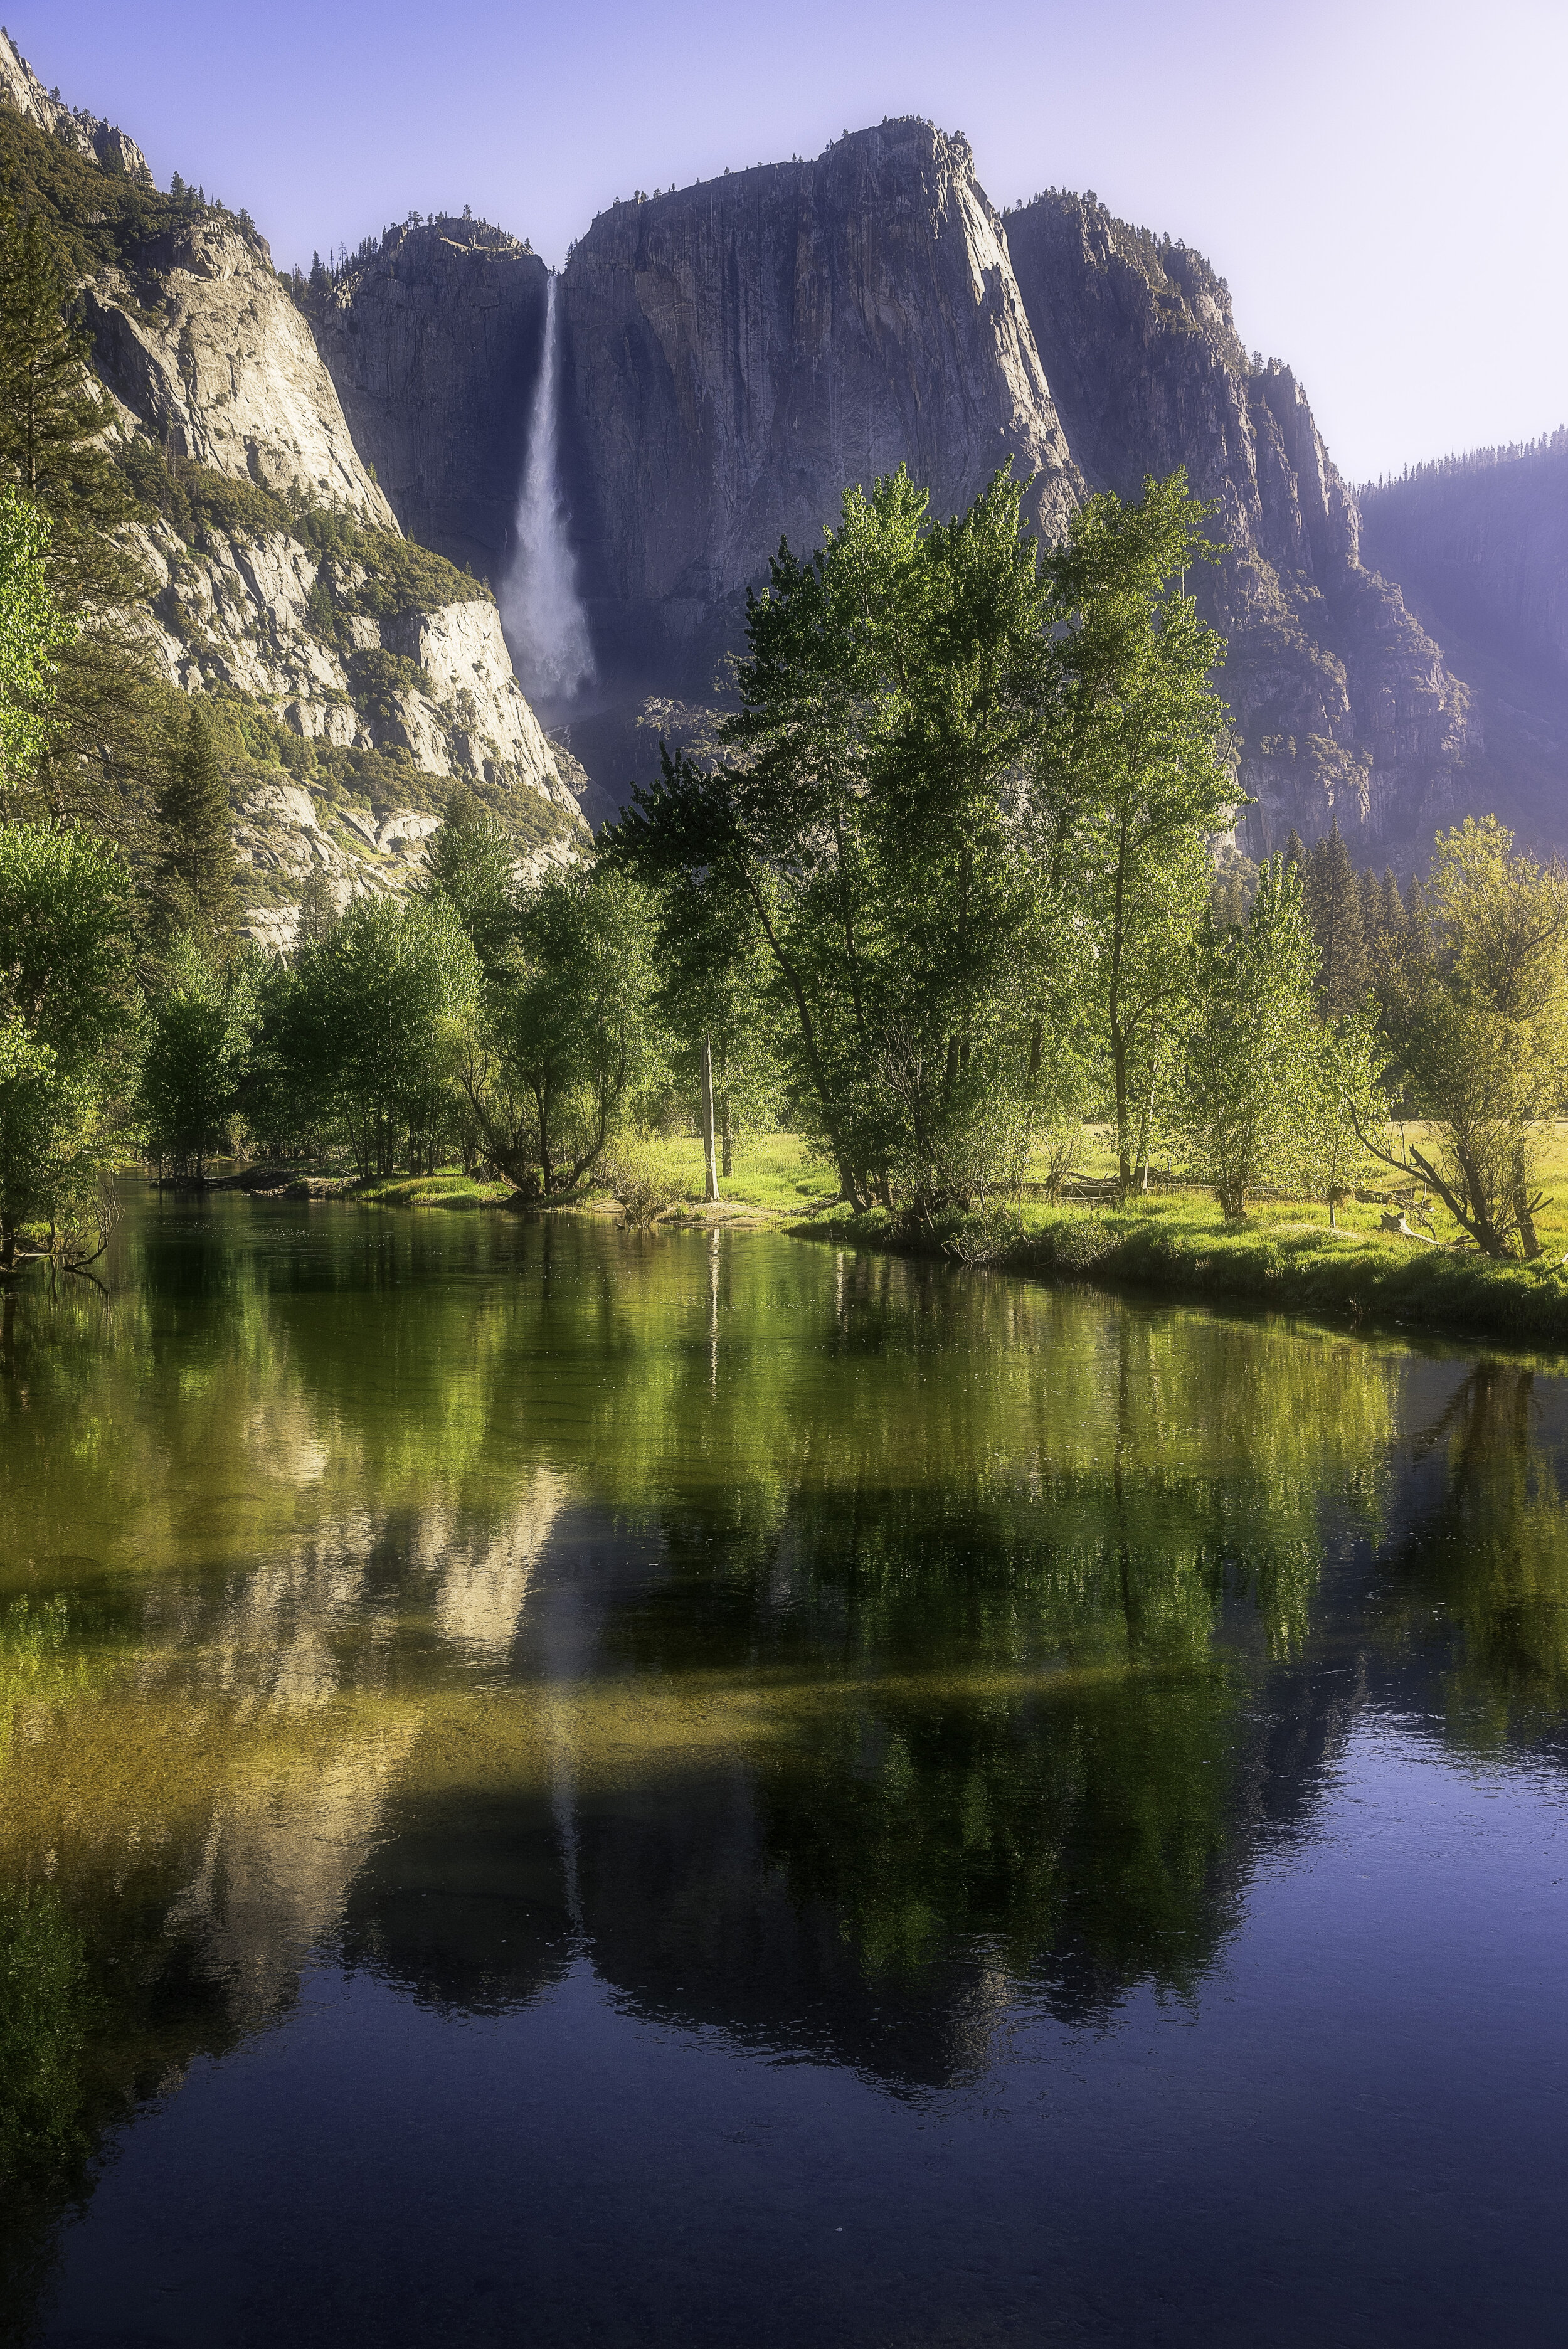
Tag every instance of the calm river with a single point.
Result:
(556, 1789)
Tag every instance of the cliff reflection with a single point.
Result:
(830, 1650)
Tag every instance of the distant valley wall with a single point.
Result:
(1343, 705)
(433, 346)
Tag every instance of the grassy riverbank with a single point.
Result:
(1182, 1247)
(1283, 1256)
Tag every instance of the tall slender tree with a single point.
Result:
(1333, 901)
(57, 430)
(1136, 762)
(193, 889)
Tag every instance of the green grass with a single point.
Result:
(463, 1192)
(1285, 1257)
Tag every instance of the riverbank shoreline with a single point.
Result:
(1170, 1246)
(1294, 1268)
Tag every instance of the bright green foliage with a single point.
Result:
(67, 1036)
(370, 1024)
(198, 1041)
(571, 1046)
(1136, 769)
(32, 629)
(1341, 1102)
(193, 889)
(55, 431)
(1476, 1012)
(473, 864)
(1251, 1056)
(876, 837)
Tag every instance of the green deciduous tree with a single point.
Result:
(1341, 1102)
(894, 827)
(569, 1046)
(1475, 1011)
(370, 1023)
(1136, 765)
(201, 1029)
(1251, 1054)
(69, 1019)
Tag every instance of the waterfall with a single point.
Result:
(544, 615)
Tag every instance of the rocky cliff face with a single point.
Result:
(433, 346)
(735, 354)
(352, 677)
(103, 143)
(1343, 705)
(202, 345)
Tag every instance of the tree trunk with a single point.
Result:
(709, 1153)
(1123, 1122)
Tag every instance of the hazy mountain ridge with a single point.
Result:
(1479, 545)
(1343, 705)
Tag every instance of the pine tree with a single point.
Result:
(1366, 892)
(1390, 916)
(1417, 940)
(1294, 853)
(317, 909)
(1334, 908)
(194, 891)
(55, 425)
(53, 419)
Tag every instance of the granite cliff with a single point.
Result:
(735, 352)
(731, 355)
(354, 676)
(433, 346)
(101, 143)
(738, 352)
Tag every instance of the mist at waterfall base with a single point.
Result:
(545, 623)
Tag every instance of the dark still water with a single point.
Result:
(556, 1789)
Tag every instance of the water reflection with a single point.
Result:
(831, 1652)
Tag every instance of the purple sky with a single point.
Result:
(1384, 182)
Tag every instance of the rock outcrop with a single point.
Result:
(738, 352)
(433, 345)
(734, 355)
(198, 340)
(1343, 705)
(101, 143)
(353, 676)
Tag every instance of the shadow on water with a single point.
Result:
(837, 1655)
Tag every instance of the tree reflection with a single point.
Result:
(1485, 1563)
